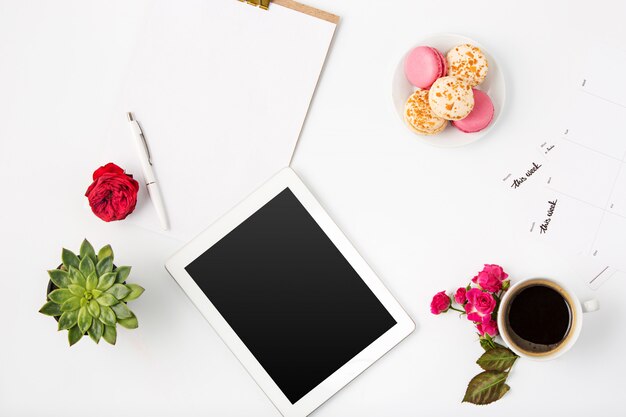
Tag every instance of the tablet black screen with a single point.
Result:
(290, 295)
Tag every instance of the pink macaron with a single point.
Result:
(423, 65)
(480, 117)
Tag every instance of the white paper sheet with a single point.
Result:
(582, 204)
(221, 90)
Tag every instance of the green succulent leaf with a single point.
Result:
(76, 277)
(107, 316)
(106, 281)
(497, 359)
(84, 319)
(87, 267)
(69, 258)
(59, 277)
(87, 251)
(72, 304)
(68, 320)
(104, 265)
(77, 290)
(119, 291)
(51, 309)
(110, 334)
(105, 252)
(96, 330)
(122, 311)
(107, 299)
(74, 335)
(130, 323)
(60, 296)
(83, 302)
(135, 292)
(94, 308)
(96, 293)
(91, 282)
(122, 273)
(486, 387)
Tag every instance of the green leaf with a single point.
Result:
(60, 296)
(87, 266)
(130, 323)
(119, 291)
(72, 304)
(105, 252)
(122, 311)
(74, 335)
(59, 277)
(135, 292)
(68, 320)
(94, 308)
(83, 302)
(497, 359)
(107, 316)
(96, 293)
(96, 330)
(104, 265)
(486, 387)
(76, 277)
(87, 251)
(51, 309)
(69, 259)
(77, 290)
(106, 281)
(107, 299)
(122, 273)
(110, 334)
(91, 282)
(84, 319)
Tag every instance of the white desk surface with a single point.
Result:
(424, 218)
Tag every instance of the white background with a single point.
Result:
(424, 218)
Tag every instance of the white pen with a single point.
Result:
(148, 172)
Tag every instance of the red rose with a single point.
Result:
(460, 296)
(113, 193)
(479, 305)
(490, 327)
(491, 278)
(440, 303)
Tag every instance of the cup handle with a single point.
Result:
(591, 305)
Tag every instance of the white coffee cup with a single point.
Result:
(576, 319)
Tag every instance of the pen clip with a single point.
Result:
(132, 119)
(145, 144)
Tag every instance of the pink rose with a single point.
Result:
(460, 296)
(490, 278)
(440, 303)
(479, 305)
(490, 328)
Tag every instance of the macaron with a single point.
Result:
(423, 65)
(419, 117)
(451, 98)
(468, 63)
(480, 117)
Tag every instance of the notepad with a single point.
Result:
(221, 90)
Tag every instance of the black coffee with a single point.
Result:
(540, 316)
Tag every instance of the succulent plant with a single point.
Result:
(91, 295)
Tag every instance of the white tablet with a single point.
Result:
(290, 295)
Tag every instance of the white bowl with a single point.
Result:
(493, 85)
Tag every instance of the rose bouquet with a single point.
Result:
(479, 302)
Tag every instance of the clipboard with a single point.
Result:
(221, 90)
(294, 5)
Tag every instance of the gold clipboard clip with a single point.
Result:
(263, 4)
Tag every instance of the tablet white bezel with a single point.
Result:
(288, 179)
